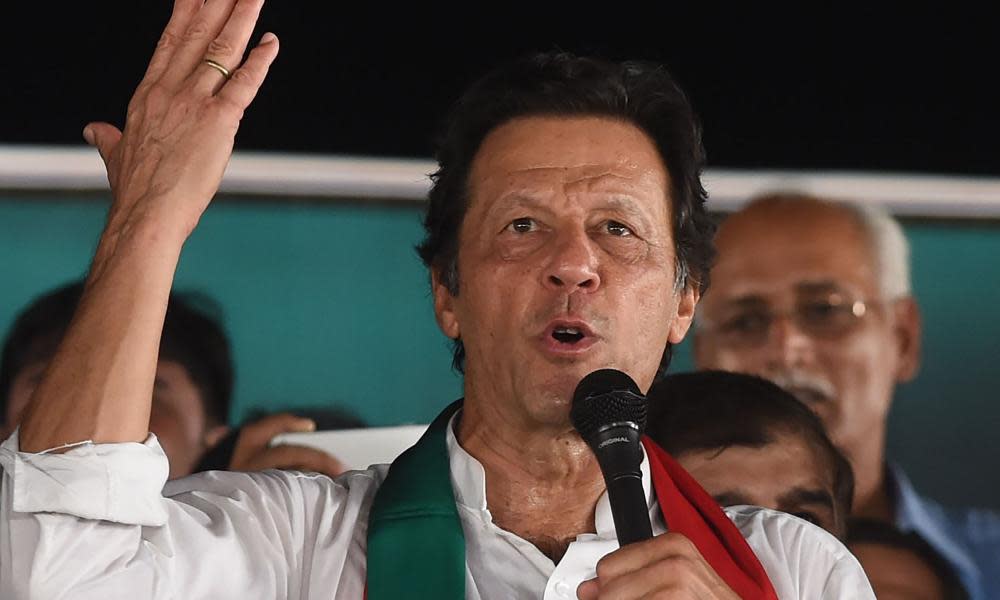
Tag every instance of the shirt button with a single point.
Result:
(563, 589)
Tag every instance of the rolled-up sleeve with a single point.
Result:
(95, 521)
(110, 482)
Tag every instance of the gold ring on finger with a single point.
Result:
(221, 69)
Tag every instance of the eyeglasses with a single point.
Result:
(828, 317)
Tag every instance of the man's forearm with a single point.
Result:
(99, 385)
(164, 167)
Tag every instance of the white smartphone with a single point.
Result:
(357, 448)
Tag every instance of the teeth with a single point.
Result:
(569, 330)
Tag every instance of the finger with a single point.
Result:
(287, 456)
(588, 590)
(242, 87)
(635, 556)
(203, 28)
(104, 137)
(642, 583)
(228, 47)
(180, 19)
(675, 577)
(259, 433)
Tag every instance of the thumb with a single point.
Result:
(104, 137)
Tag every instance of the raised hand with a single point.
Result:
(168, 162)
(164, 169)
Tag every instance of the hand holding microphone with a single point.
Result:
(609, 412)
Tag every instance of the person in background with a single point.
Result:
(747, 441)
(902, 566)
(240, 449)
(815, 295)
(192, 390)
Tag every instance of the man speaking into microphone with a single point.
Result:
(565, 233)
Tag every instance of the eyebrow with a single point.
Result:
(754, 300)
(515, 200)
(800, 495)
(745, 302)
(731, 498)
(818, 287)
(628, 206)
(615, 201)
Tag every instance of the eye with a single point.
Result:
(617, 229)
(820, 311)
(748, 323)
(522, 225)
(808, 516)
(825, 316)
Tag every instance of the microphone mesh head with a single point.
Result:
(604, 397)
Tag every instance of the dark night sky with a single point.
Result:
(840, 88)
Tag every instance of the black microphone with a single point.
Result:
(609, 412)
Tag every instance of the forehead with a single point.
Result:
(544, 156)
(788, 462)
(777, 249)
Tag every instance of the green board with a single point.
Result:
(328, 304)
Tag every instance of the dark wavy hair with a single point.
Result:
(560, 84)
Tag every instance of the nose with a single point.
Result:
(787, 345)
(573, 264)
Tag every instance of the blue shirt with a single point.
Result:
(968, 538)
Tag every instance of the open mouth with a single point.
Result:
(567, 335)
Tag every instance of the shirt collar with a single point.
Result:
(468, 478)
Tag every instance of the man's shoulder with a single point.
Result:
(276, 484)
(969, 525)
(801, 559)
(771, 527)
(978, 527)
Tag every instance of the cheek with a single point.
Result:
(491, 299)
(20, 394)
(176, 431)
(855, 362)
(732, 360)
(652, 311)
(168, 431)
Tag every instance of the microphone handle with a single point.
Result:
(628, 507)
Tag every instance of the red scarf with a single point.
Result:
(689, 510)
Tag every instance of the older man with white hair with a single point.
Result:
(815, 295)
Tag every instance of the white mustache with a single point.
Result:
(800, 381)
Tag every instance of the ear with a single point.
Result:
(213, 435)
(907, 330)
(444, 307)
(687, 300)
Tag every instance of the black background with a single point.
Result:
(832, 87)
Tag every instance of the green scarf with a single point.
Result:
(416, 548)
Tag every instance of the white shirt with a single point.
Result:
(93, 522)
